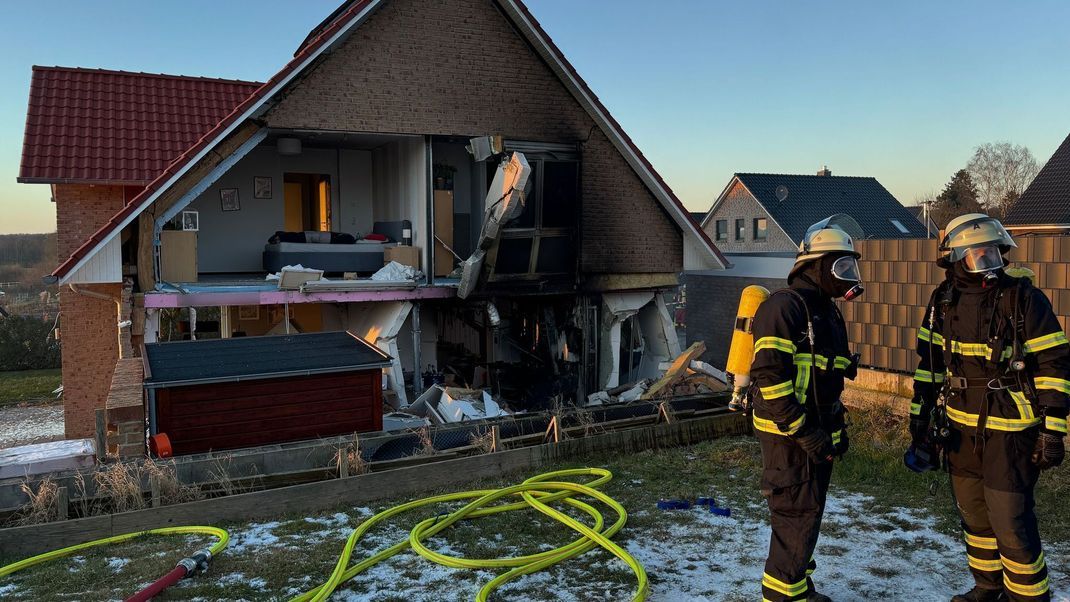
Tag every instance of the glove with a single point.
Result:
(1049, 451)
(817, 444)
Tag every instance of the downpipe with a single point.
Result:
(119, 322)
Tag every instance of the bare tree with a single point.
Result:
(1001, 171)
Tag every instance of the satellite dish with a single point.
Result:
(782, 193)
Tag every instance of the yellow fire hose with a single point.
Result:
(538, 492)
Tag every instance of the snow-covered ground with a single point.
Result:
(20, 425)
(866, 552)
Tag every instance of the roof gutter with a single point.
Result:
(252, 111)
(1039, 227)
(268, 375)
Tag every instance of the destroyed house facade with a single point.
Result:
(527, 241)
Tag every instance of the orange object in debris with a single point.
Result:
(160, 445)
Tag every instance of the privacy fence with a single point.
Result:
(883, 323)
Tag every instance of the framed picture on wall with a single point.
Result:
(261, 187)
(228, 199)
(249, 312)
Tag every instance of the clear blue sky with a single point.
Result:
(901, 91)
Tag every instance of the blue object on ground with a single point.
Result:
(673, 504)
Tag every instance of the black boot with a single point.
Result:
(979, 594)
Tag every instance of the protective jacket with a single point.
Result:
(1001, 359)
(787, 370)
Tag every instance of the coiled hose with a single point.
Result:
(537, 493)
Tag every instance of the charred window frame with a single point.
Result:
(541, 241)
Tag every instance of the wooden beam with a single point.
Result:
(676, 371)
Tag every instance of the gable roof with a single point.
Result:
(117, 127)
(1047, 199)
(919, 214)
(813, 198)
(331, 33)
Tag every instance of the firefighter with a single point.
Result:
(991, 389)
(801, 359)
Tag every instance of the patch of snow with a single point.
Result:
(117, 564)
(256, 535)
(30, 424)
(7, 589)
(335, 520)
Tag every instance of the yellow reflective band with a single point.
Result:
(1024, 569)
(984, 543)
(1025, 409)
(1055, 424)
(777, 391)
(931, 337)
(788, 589)
(985, 565)
(915, 408)
(924, 376)
(1055, 384)
(843, 363)
(805, 359)
(802, 383)
(837, 437)
(991, 422)
(970, 349)
(768, 426)
(1036, 589)
(1046, 342)
(776, 344)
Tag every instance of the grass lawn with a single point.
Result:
(887, 534)
(28, 386)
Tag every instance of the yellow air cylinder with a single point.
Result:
(741, 353)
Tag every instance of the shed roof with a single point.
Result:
(97, 125)
(256, 358)
(1046, 202)
(810, 199)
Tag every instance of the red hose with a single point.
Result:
(176, 575)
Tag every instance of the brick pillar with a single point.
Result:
(90, 346)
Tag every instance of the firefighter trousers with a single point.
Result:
(796, 490)
(992, 480)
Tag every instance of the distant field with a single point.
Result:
(28, 386)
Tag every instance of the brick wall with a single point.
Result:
(739, 203)
(87, 325)
(711, 310)
(458, 67)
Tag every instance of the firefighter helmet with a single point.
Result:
(834, 234)
(973, 230)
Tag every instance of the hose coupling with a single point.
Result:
(196, 564)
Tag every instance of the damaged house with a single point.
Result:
(526, 240)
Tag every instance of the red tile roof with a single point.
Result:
(95, 125)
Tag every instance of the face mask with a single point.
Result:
(847, 277)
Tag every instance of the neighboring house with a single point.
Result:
(168, 188)
(769, 213)
(918, 212)
(1045, 204)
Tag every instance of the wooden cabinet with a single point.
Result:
(409, 256)
(178, 256)
(444, 259)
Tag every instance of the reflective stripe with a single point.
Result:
(768, 426)
(837, 436)
(1046, 342)
(991, 422)
(924, 376)
(1055, 424)
(1055, 384)
(1037, 589)
(977, 350)
(843, 363)
(776, 391)
(776, 344)
(1025, 409)
(984, 543)
(931, 337)
(788, 589)
(1024, 569)
(804, 359)
(915, 408)
(985, 565)
(802, 382)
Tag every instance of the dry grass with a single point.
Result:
(484, 443)
(231, 484)
(43, 505)
(349, 459)
(585, 419)
(121, 485)
(426, 444)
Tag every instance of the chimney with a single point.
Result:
(825, 171)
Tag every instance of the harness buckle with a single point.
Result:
(957, 382)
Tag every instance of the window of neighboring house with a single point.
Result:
(541, 239)
(741, 229)
(722, 229)
(899, 225)
(761, 230)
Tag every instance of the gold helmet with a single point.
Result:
(973, 231)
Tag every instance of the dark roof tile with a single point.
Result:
(1047, 199)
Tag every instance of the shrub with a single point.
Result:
(26, 343)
